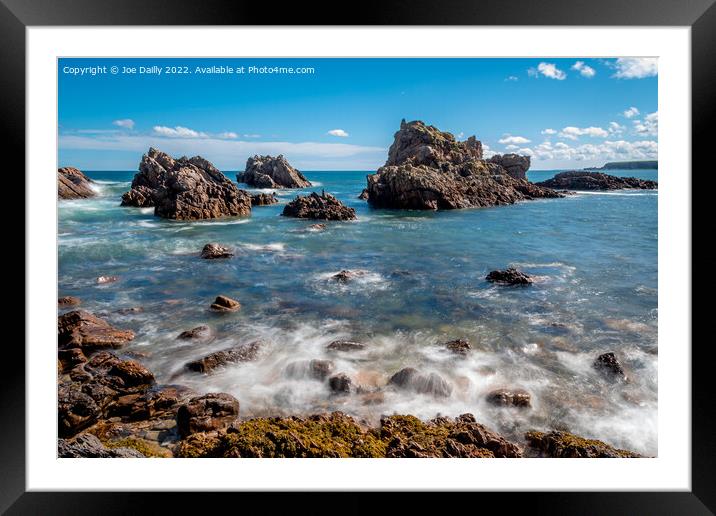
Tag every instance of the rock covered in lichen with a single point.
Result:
(565, 445)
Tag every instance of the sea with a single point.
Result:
(422, 283)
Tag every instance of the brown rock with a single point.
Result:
(315, 206)
(459, 346)
(271, 172)
(69, 358)
(509, 276)
(241, 353)
(225, 304)
(81, 329)
(264, 199)
(89, 446)
(345, 345)
(363, 196)
(411, 379)
(68, 301)
(340, 383)
(200, 332)
(515, 165)
(313, 369)
(566, 445)
(213, 250)
(185, 189)
(206, 413)
(73, 184)
(610, 367)
(510, 398)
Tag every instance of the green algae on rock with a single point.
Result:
(565, 445)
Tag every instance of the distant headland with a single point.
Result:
(628, 165)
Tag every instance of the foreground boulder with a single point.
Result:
(515, 165)
(566, 445)
(185, 189)
(263, 199)
(427, 169)
(89, 446)
(583, 180)
(271, 172)
(73, 184)
(315, 206)
(213, 250)
(81, 329)
(207, 413)
(509, 276)
(233, 355)
(338, 435)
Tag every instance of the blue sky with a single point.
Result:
(565, 113)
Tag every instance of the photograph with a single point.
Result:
(357, 257)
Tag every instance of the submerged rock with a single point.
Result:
(185, 189)
(314, 206)
(73, 184)
(225, 304)
(213, 250)
(510, 398)
(89, 446)
(81, 329)
(340, 383)
(68, 301)
(509, 277)
(263, 199)
(583, 180)
(232, 355)
(458, 346)
(200, 332)
(427, 169)
(206, 413)
(271, 172)
(411, 379)
(566, 445)
(345, 345)
(313, 369)
(610, 367)
(345, 276)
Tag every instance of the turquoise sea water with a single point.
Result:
(594, 255)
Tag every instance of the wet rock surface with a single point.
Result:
(207, 413)
(458, 346)
(89, 446)
(610, 367)
(345, 345)
(510, 398)
(81, 329)
(232, 355)
(509, 277)
(582, 180)
(185, 189)
(315, 369)
(315, 206)
(271, 172)
(565, 445)
(214, 250)
(73, 184)
(263, 199)
(428, 169)
(198, 333)
(341, 383)
(68, 301)
(225, 304)
(410, 378)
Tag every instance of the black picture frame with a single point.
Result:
(17, 15)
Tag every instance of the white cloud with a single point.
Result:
(636, 67)
(512, 78)
(649, 126)
(177, 132)
(615, 128)
(526, 151)
(125, 123)
(512, 147)
(631, 112)
(572, 133)
(549, 132)
(608, 150)
(550, 70)
(518, 140)
(338, 132)
(584, 70)
(252, 136)
(460, 135)
(228, 135)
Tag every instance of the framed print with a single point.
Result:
(448, 250)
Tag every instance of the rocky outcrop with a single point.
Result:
(610, 367)
(232, 355)
(510, 398)
(263, 199)
(427, 169)
(509, 276)
(225, 304)
(582, 180)
(213, 251)
(81, 329)
(185, 189)
(515, 165)
(73, 184)
(566, 445)
(271, 172)
(89, 446)
(206, 413)
(315, 206)
(412, 380)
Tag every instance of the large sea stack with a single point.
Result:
(73, 184)
(581, 180)
(185, 189)
(428, 169)
(271, 172)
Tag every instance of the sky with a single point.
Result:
(341, 114)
